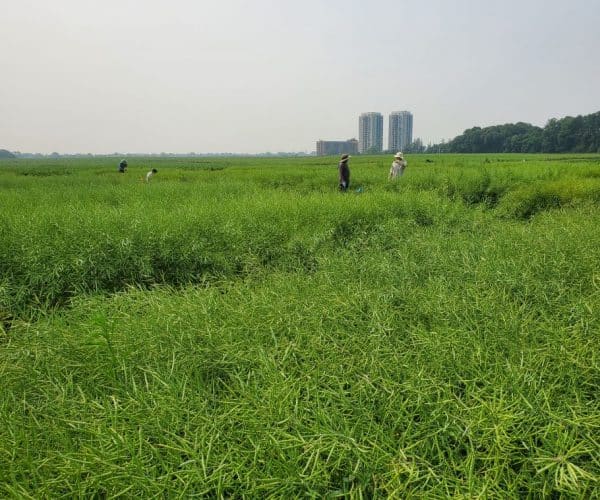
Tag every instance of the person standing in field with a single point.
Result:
(151, 174)
(122, 166)
(398, 166)
(344, 172)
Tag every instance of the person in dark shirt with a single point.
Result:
(344, 172)
(122, 166)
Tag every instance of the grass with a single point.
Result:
(239, 328)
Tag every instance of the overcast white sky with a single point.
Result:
(266, 75)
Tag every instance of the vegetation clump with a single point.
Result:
(250, 331)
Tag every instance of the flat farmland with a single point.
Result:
(239, 328)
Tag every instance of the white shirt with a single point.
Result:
(397, 168)
(149, 176)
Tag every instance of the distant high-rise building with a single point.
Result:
(337, 147)
(370, 132)
(401, 127)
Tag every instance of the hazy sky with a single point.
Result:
(266, 75)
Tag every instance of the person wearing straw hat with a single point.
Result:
(398, 166)
(344, 172)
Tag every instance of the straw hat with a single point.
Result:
(399, 155)
(344, 157)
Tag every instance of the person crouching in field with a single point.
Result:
(122, 166)
(344, 172)
(398, 166)
(151, 174)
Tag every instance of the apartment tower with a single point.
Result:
(370, 133)
(400, 131)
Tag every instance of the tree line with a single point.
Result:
(580, 134)
(6, 154)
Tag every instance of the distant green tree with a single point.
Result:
(6, 154)
(580, 134)
(416, 146)
(589, 138)
(373, 150)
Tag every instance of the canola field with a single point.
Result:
(239, 328)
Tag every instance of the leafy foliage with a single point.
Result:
(6, 154)
(580, 134)
(244, 329)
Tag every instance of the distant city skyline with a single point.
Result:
(370, 132)
(252, 77)
(400, 133)
(371, 127)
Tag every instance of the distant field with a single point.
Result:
(238, 327)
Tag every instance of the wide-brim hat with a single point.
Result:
(344, 157)
(398, 155)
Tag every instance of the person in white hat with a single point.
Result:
(398, 166)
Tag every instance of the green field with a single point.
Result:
(239, 328)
